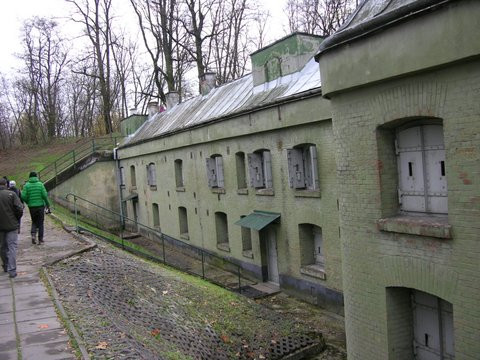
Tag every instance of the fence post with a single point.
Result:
(75, 209)
(93, 145)
(56, 173)
(73, 155)
(239, 280)
(163, 249)
(203, 266)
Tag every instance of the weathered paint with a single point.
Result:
(424, 68)
(129, 125)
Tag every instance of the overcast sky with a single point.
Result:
(13, 13)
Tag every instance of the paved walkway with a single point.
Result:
(29, 327)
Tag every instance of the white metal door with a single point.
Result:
(272, 262)
(432, 327)
(421, 167)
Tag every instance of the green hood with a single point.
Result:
(33, 179)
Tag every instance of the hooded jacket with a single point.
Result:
(34, 193)
(11, 210)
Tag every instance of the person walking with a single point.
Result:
(35, 196)
(12, 186)
(11, 210)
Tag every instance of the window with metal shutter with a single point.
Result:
(267, 169)
(296, 175)
(432, 327)
(151, 174)
(255, 170)
(314, 184)
(421, 168)
(219, 171)
(211, 172)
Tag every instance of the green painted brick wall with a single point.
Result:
(304, 121)
(374, 260)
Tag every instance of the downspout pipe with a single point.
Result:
(118, 177)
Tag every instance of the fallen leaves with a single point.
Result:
(225, 339)
(155, 332)
(102, 345)
(43, 326)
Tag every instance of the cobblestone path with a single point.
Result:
(127, 308)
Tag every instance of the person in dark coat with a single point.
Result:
(11, 210)
(35, 196)
(13, 187)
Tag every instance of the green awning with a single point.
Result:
(131, 197)
(258, 219)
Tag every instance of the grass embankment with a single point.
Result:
(17, 163)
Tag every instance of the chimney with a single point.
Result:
(207, 82)
(172, 98)
(133, 111)
(152, 109)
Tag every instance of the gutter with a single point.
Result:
(379, 23)
(300, 96)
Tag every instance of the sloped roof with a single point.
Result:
(374, 15)
(227, 100)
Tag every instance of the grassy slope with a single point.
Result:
(17, 163)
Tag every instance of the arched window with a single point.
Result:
(179, 173)
(221, 227)
(183, 221)
(133, 177)
(151, 175)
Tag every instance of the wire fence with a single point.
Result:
(151, 243)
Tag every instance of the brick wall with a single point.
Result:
(374, 260)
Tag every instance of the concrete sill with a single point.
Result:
(265, 192)
(315, 271)
(223, 247)
(133, 188)
(180, 189)
(184, 236)
(242, 191)
(307, 193)
(432, 226)
(122, 186)
(218, 190)
(248, 254)
(153, 187)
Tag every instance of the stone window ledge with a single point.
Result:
(433, 226)
(153, 187)
(223, 247)
(248, 254)
(184, 236)
(265, 192)
(314, 270)
(307, 193)
(218, 190)
(180, 189)
(242, 191)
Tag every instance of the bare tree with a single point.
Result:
(96, 17)
(321, 17)
(45, 57)
(234, 41)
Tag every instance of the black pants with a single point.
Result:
(38, 216)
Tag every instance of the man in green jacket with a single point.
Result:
(35, 196)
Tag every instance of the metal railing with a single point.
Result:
(156, 246)
(72, 157)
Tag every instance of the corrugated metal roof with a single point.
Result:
(258, 219)
(235, 97)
